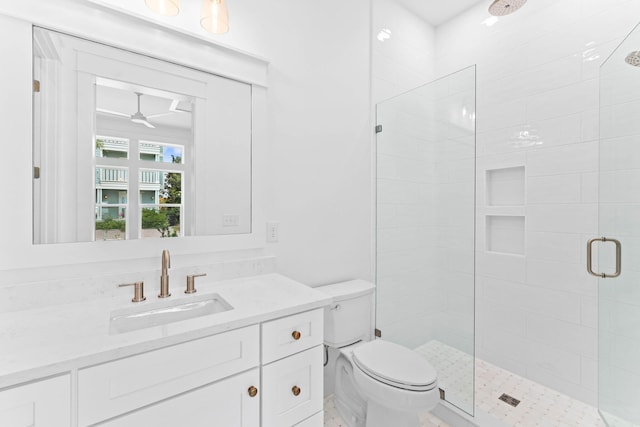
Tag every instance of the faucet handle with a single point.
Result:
(191, 283)
(138, 291)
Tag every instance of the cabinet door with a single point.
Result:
(292, 389)
(225, 403)
(124, 385)
(44, 403)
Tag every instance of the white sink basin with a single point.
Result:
(148, 315)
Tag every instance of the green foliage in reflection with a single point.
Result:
(152, 218)
(173, 193)
(109, 223)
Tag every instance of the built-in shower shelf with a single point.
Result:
(505, 234)
(504, 212)
(505, 187)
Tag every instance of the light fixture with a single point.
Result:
(164, 7)
(505, 7)
(140, 118)
(215, 16)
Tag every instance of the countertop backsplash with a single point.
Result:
(58, 285)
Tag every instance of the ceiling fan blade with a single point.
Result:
(141, 120)
(113, 113)
(174, 107)
(151, 116)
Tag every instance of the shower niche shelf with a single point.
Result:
(505, 187)
(505, 234)
(504, 211)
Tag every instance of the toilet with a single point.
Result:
(377, 383)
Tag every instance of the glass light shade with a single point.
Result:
(164, 7)
(215, 16)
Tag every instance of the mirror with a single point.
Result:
(130, 147)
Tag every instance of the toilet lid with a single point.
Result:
(395, 365)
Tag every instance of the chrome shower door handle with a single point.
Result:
(618, 258)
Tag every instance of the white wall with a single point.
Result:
(319, 131)
(315, 175)
(320, 138)
(405, 60)
(538, 109)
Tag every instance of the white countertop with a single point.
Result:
(48, 341)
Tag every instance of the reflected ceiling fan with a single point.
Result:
(138, 117)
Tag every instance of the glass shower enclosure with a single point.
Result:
(425, 227)
(619, 221)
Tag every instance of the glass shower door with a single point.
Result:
(619, 218)
(426, 228)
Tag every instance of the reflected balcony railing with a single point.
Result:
(116, 175)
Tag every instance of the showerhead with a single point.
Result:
(505, 7)
(633, 58)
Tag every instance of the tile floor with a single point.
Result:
(539, 405)
(332, 418)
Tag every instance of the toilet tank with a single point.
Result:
(349, 318)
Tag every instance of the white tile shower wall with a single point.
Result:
(399, 63)
(538, 108)
(405, 226)
(425, 262)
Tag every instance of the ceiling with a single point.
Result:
(438, 12)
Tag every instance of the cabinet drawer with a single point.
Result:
(283, 337)
(113, 388)
(44, 403)
(225, 403)
(315, 421)
(292, 388)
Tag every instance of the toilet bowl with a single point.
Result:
(397, 383)
(377, 383)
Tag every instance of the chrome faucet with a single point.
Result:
(164, 278)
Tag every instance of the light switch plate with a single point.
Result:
(273, 231)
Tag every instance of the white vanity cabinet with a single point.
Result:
(266, 374)
(114, 388)
(228, 403)
(45, 403)
(292, 357)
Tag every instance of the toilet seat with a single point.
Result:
(395, 366)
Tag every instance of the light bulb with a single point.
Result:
(164, 7)
(215, 16)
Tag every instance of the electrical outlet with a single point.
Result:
(230, 220)
(273, 231)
